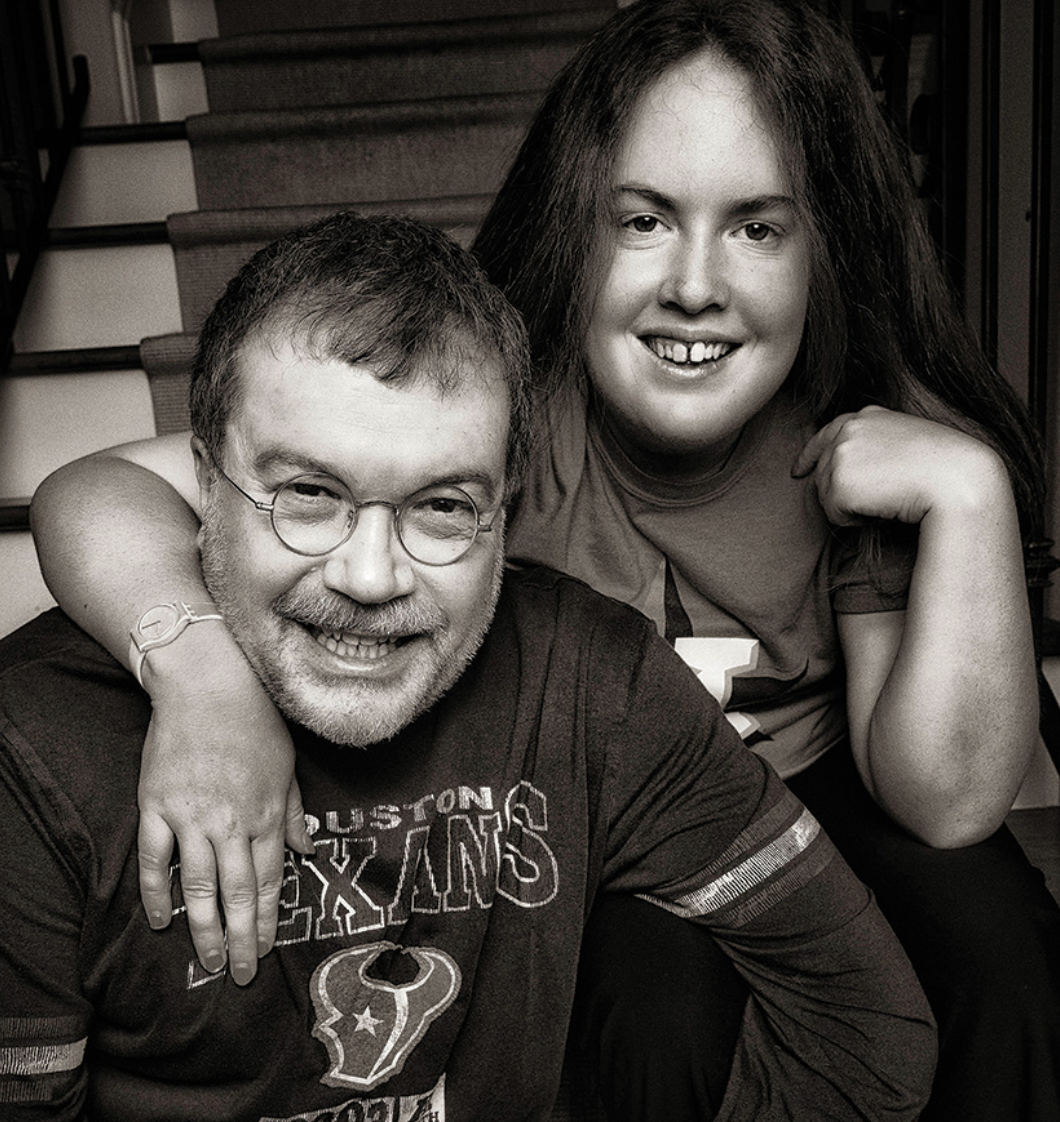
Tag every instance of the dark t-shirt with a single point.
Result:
(738, 569)
(426, 955)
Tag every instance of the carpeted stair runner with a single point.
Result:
(242, 17)
(167, 361)
(299, 157)
(209, 246)
(343, 66)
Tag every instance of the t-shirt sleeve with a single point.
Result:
(837, 1026)
(871, 572)
(44, 1017)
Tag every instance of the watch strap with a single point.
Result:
(160, 625)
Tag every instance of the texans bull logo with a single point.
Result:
(370, 1026)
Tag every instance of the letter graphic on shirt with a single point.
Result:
(370, 1026)
(529, 870)
(417, 889)
(295, 921)
(344, 907)
(716, 662)
(474, 862)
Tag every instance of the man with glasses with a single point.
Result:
(479, 752)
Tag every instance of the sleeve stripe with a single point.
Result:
(759, 833)
(42, 1059)
(744, 882)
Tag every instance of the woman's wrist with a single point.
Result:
(203, 659)
(976, 485)
(163, 624)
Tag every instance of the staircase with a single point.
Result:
(259, 115)
(270, 114)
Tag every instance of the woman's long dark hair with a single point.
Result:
(883, 325)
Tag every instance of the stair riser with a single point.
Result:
(240, 17)
(384, 76)
(205, 266)
(114, 183)
(48, 420)
(25, 593)
(99, 297)
(341, 164)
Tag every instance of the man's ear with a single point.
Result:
(204, 471)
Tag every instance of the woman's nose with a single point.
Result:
(696, 277)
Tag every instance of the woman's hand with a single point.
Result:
(217, 778)
(877, 463)
(941, 698)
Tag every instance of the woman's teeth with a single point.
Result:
(348, 645)
(683, 353)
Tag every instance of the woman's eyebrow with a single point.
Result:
(648, 194)
(739, 208)
(755, 205)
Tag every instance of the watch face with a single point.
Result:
(158, 621)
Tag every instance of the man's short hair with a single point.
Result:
(390, 293)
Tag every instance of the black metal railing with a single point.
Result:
(40, 110)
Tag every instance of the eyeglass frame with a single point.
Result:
(269, 508)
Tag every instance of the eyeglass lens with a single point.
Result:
(314, 514)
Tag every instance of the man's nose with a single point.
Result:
(372, 566)
(696, 277)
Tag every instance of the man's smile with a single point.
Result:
(350, 645)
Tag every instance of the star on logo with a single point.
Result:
(365, 1021)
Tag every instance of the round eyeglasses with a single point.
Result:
(313, 514)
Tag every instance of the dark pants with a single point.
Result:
(660, 1006)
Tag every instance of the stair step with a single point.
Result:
(167, 362)
(25, 593)
(443, 146)
(14, 514)
(143, 132)
(392, 63)
(71, 361)
(120, 233)
(210, 246)
(105, 296)
(125, 180)
(46, 422)
(240, 17)
(173, 91)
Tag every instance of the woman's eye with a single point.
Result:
(642, 224)
(758, 231)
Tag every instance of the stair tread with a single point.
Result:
(389, 64)
(431, 36)
(369, 117)
(235, 17)
(205, 227)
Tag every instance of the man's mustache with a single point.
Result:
(331, 612)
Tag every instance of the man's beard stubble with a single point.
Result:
(361, 719)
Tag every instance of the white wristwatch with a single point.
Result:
(160, 625)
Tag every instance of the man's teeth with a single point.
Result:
(689, 352)
(349, 645)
